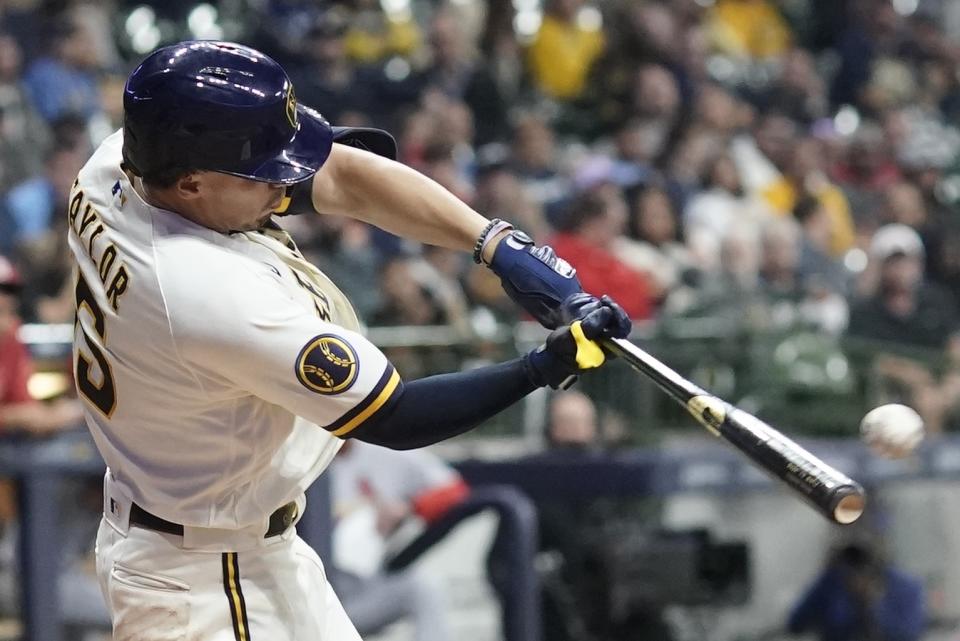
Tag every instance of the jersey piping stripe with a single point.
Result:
(379, 395)
(238, 606)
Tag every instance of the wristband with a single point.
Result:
(489, 232)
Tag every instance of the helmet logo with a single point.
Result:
(292, 117)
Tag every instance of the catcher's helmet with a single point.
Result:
(223, 107)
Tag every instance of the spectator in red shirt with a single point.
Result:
(595, 220)
(18, 410)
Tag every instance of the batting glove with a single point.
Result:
(579, 306)
(572, 349)
(535, 277)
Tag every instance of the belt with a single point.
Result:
(281, 519)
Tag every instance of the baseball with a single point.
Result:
(892, 431)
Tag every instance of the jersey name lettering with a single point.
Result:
(86, 222)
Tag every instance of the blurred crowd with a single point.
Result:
(774, 164)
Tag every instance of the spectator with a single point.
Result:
(861, 596)
(534, 160)
(655, 247)
(326, 79)
(578, 601)
(760, 156)
(874, 34)
(903, 204)
(656, 97)
(23, 134)
(815, 258)
(571, 422)
(791, 297)
(19, 412)
(564, 50)
(377, 491)
(500, 193)
(800, 91)
(35, 204)
(752, 29)
(804, 174)
(637, 146)
(374, 35)
(594, 222)
(903, 308)
(456, 71)
(721, 205)
(638, 33)
(866, 169)
(909, 318)
(63, 82)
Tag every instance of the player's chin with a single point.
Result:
(259, 222)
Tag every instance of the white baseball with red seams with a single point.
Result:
(892, 431)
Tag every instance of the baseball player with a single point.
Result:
(220, 371)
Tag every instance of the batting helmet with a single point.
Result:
(223, 107)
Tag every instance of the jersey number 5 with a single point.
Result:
(102, 395)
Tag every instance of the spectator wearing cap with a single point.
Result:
(18, 410)
(904, 308)
(915, 322)
(327, 79)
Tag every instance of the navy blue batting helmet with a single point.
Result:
(223, 107)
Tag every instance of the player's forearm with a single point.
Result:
(433, 409)
(394, 197)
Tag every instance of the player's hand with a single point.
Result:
(573, 349)
(579, 306)
(534, 277)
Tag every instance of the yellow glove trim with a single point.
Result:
(589, 354)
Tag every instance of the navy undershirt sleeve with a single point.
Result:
(433, 409)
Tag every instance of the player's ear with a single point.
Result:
(189, 186)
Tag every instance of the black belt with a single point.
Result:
(281, 519)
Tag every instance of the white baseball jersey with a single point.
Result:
(209, 361)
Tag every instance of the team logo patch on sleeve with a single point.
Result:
(328, 364)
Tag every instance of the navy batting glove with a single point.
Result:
(579, 306)
(535, 277)
(570, 350)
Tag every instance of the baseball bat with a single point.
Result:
(832, 493)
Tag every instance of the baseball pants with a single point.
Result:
(158, 591)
